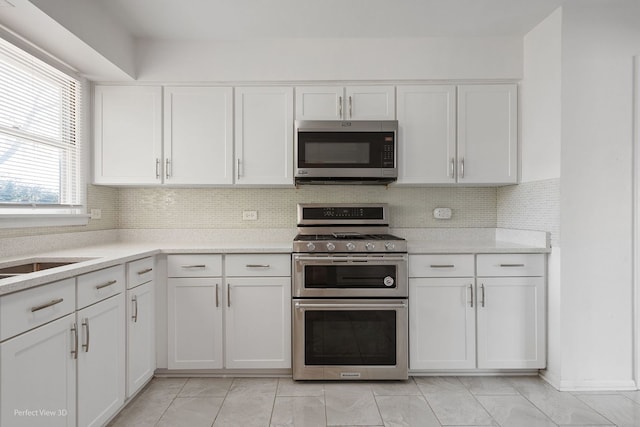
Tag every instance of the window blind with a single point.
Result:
(40, 135)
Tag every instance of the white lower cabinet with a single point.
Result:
(258, 322)
(38, 372)
(141, 343)
(239, 320)
(477, 322)
(101, 361)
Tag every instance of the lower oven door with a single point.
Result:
(344, 339)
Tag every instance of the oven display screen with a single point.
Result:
(350, 337)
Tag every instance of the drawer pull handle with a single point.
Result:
(134, 317)
(257, 265)
(109, 283)
(195, 266)
(146, 270)
(228, 295)
(47, 305)
(482, 289)
(217, 297)
(471, 302)
(442, 266)
(74, 351)
(511, 265)
(85, 346)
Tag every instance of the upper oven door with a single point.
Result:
(350, 276)
(360, 150)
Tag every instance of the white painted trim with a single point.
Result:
(636, 220)
(596, 385)
(550, 378)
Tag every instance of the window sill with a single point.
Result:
(42, 220)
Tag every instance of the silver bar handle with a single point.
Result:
(482, 301)
(442, 266)
(376, 259)
(104, 285)
(257, 265)
(350, 107)
(146, 270)
(238, 168)
(452, 167)
(47, 305)
(85, 323)
(228, 295)
(340, 106)
(134, 300)
(74, 350)
(347, 305)
(167, 165)
(471, 289)
(511, 265)
(217, 297)
(194, 266)
(157, 168)
(462, 168)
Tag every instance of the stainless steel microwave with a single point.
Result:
(346, 152)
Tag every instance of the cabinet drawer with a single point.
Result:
(101, 284)
(194, 265)
(441, 266)
(28, 309)
(245, 265)
(491, 265)
(139, 272)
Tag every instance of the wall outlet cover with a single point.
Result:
(96, 213)
(249, 215)
(442, 213)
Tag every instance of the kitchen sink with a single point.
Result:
(38, 264)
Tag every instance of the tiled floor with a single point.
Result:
(420, 401)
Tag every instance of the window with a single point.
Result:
(40, 137)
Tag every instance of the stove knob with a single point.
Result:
(389, 246)
(370, 246)
(330, 246)
(311, 247)
(350, 246)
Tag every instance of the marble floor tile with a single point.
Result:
(618, 409)
(633, 395)
(144, 411)
(395, 388)
(249, 403)
(253, 386)
(288, 387)
(488, 385)
(191, 412)
(206, 387)
(406, 411)
(522, 383)
(458, 408)
(351, 404)
(299, 411)
(514, 411)
(439, 384)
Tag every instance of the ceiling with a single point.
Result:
(203, 20)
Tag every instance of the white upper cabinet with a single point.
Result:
(264, 136)
(426, 134)
(487, 134)
(345, 103)
(198, 135)
(127, 134)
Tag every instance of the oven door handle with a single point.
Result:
(369, 259)
(300, 305)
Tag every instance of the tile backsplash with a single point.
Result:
(213, 208)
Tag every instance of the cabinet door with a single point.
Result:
(264, 135)
(370, 103)
(198, 135)
(141, 340)
(38, 373)
(195, 323)
(487, 134)
(319, 103)
(426, 134)
(258, 323)
(101, 361)
(127, 134)
(511, 326)
(441, 324)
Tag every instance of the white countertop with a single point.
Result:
(419, 241)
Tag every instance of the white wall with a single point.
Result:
(331, 59)
(599, 40)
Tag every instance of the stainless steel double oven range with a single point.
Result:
(350, 289)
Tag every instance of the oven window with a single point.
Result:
(350, 337)
(349, 276)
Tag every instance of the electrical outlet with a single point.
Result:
(249, 215)
(442, 213)
(96, 213)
